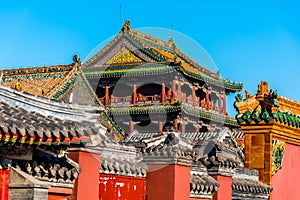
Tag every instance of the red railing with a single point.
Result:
(149, 99)
(113, 100)
(120, 100)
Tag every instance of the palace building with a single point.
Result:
(137, 75)
(140, 120)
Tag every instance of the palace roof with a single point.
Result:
(132, 48)
(41, 81)
(37, 121)
(167, 108)
(268, 107)
(60, 83)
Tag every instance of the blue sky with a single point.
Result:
(249, 41)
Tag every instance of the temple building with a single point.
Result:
(140, 120)
(150, 85)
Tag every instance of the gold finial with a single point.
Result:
(126, 26)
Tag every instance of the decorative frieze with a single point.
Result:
(277, 155)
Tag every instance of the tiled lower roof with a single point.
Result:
(122, 167)
(194, 136)
(34, 120)
(19, 125)
(250, 188)
(135, 136)
(163, 108)
(239, 134)
(40, 81)
(47, 168)
(202, 186)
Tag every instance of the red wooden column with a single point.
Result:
(183, 97)
(224, 104)
(106, 103)
(87, 183)
(183, 126)
(179, 90)
(131, 126)
(4, 181)
(213, 103)
(220, 104)
(174, 88)
(207, 99)
(198, 128)
(160, 126)
(169, 94)
(134, 95)
(163, 93)
(175, 123)
(194, 98)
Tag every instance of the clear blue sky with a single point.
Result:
(249, 41)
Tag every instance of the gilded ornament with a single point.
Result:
(124, 56)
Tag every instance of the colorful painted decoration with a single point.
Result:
(277, 155)
(124, 56)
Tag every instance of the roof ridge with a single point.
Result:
(92, 59)
(153, 39)
(38, 69)
(166, 44)
(89, 87)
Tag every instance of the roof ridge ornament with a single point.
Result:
(126, 26)
(76, 60)
(171, 43)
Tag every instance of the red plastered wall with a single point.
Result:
(285, 182)
(86, 185)
(113, 187)
(4, 181)
(168, 182)
(225, 190)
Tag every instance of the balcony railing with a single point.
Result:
(149, 99)
(152, 99)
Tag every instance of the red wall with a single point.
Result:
(168, 182)
(121, 188)
(59, 193)
(225, 190)
(285, 182)
(87, 183)
(4, 181)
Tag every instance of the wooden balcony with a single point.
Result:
(155, 99)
